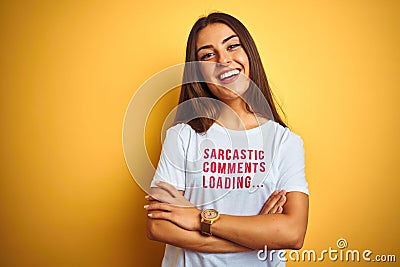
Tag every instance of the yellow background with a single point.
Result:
(68, 71)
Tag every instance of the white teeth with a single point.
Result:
(228, 74)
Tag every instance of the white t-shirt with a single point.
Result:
(234, 172)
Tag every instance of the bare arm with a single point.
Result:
(170, 233)
(277, 231)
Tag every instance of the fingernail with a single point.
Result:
(145, 206)
(146, 197)
(150, 215)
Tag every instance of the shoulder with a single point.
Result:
(182, 129)
(285, 135)
(180, 132)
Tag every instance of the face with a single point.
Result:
(225, 65)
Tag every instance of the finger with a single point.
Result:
(169, 188)
(150, 198)
(274, 209)
(163, 198)
(266, 208)
(158, 206)
(271, 202)
(281, 198)
(280, 210)
(159, 215)
(276, 192)
(271, 197)
(280, 202)
(153, 197)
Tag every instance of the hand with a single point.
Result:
(167, 203)
(185, 217)
(169, 194)
(275, 203)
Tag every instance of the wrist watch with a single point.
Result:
(208, 216)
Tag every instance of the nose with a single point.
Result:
(224, 58)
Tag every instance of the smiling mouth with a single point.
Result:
(229, 75)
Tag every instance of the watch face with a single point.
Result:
(210, 214)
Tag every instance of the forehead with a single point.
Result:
(213, 34)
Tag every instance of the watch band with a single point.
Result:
(205, 229)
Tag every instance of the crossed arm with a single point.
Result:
(175, 221)
(167, 232)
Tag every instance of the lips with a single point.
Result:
(228, 76)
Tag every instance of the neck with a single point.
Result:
(234, 115)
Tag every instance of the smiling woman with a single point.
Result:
(218, 43)
(222, 178)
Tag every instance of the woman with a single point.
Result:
(219, 192)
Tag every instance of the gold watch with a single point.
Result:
(208, 217)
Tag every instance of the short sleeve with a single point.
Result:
(171, 166)
(291, 164)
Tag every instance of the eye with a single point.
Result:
(233, 46)
(206, 56)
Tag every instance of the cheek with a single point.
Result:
(207, 71)
(244, 61)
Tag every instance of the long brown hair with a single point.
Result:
(199, 113)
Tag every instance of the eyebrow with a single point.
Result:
(223, 41)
